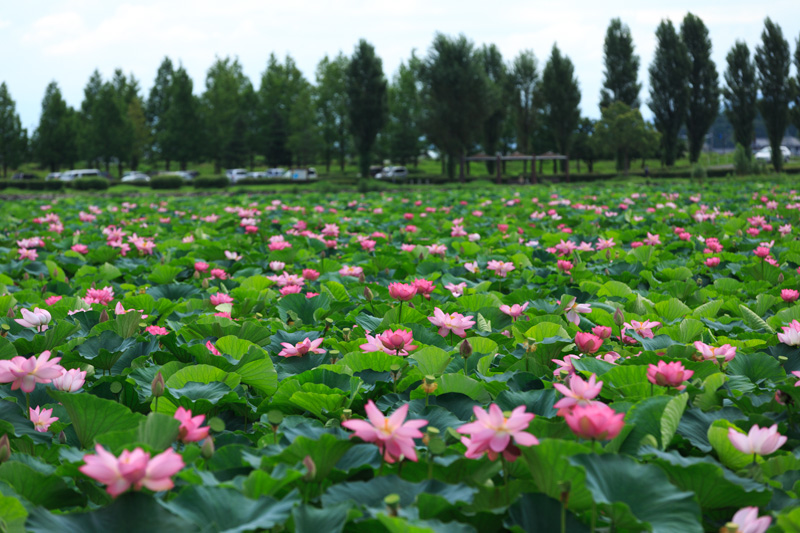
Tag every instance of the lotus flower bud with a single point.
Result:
(158, 385)
(207, 449)
(780, 278)
(308, 462)
(196, 274)
(204, 283)
(5, 449)
(465, 349)
(619, 317)
(62, 437)
(11, 313)
(368, 296)
(104, 316)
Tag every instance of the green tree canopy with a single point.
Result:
(182, 123)
(56, 136)
(404, 127)
(621, 130)
(331, 104)
(703, 84)
(13, 138)
(367, 101)
(524, 87)
(622, 67)
(741, 94)
(156, 109)
(669, 89)
(773, 59)
(561, 97)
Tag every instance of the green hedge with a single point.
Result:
(89, 184)
(32, 185)
(206, 182)
(166, 182)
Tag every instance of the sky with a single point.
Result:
(67, 40)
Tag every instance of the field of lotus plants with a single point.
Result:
(539, 359)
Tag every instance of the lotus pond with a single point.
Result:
(538, 359)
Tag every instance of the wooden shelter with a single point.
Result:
(516, 156)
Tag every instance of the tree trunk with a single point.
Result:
(625, 161)
(168, 162)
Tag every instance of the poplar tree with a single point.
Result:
(773, 60)
(741, 94)
(669, 89)
(622, 67)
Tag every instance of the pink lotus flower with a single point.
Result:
(574, 308)
(604, 332)
(310, 274)
(42, 419)
(232, 256)
(25, 373)
(190, 430)
(80, 248)
(500, 268)
(156, 330)
(290, 289)
(492, 432)
(746, 520)
(472, 267)
(25, 253)
(218, 273)
(132, 468)
(791, 334)
(301, 348)
(564, 266)
(456, 289)
(514, 311)
(789, 295)
(397, 342)
(99, 296)
(587, 342)
(564, 366)
(595, 421)
(643, 329)
(52, 300)
(220, 298)
(757, 441)
(669, 374)
(402, 291)
(277, 266)
(455, 322)
(212, 348)
(120, 310)
(712, 262)
(424, 287)
(38, 319)
(579, 392)
(712, 353)
(761, 251)
(373, 344)
(70, 381)
(393, 435)
(354, 271)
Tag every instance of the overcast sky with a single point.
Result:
(66, 40)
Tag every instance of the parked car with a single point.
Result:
(235, 174)
(276, 172)
(301, 174)
(374, 170)
(72, 175)
(392, 173)
(765, 154)
(24, 176)
(259, 174)
(134, 176)
(53, 176)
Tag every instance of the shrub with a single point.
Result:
(166, 182)
(205, 182)
(90, 184)
(741, 161)
(699, 172)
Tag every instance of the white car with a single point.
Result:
(276, 172)
(133, 176)
(392, 173)
(257, 174)
(765, 154)
(235, 174)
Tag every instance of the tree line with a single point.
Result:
(458, 99)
